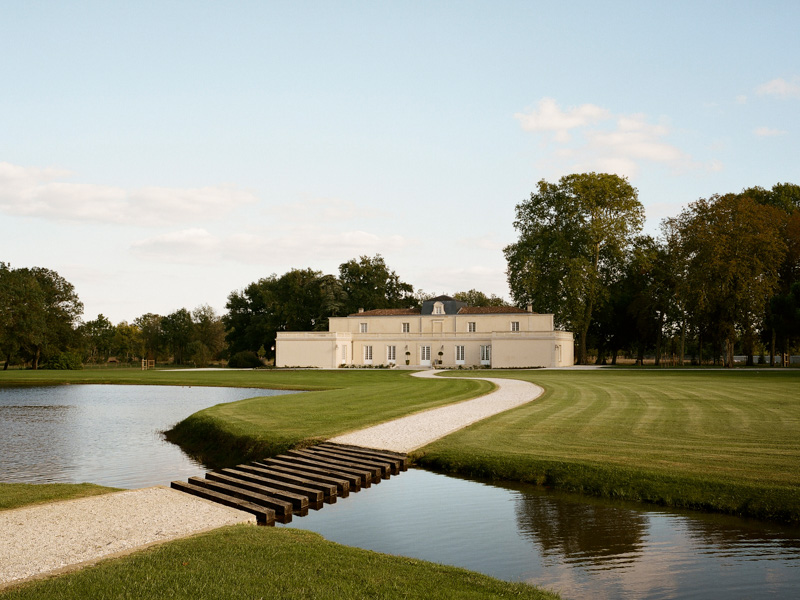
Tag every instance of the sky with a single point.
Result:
(162, 155)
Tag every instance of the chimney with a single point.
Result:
(360, 310)
(530, 308)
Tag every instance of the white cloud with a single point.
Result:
(605, 141)
(780, 88)
(193, 246)
(43, 193)
(741, 99)
(299, 245)
(549, 117)
(767, 132)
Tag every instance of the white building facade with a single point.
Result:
(443, 333)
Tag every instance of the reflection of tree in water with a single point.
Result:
(593, 533)
(748, 537)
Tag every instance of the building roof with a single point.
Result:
(491, 310)
(386, 312)
(463, 310)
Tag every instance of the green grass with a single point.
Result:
(247, 562)
(15, 495)
(726, 441)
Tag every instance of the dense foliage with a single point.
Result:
(723, 278)
(719, 279)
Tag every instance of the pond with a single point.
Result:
(105, 434)
(582, 548)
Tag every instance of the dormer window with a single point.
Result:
(438, 308)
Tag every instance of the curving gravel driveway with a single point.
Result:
(417, 430)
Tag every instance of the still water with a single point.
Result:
(578, 547)
(105, 434)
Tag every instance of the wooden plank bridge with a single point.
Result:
(276, 488)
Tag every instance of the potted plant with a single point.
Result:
(408, 357)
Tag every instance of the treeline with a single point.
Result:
(40, 325)
(723, 278)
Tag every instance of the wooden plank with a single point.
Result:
(283, 510)
(367, 476)
(384, 468)
(299, 501)
(300, 465)
(314, 492)
(264, 516)
(342, 486)
(400, 460)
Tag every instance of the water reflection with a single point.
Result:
(598, 535)
(105, 434)
(581, 548)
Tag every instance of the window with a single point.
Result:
(367, 354)
(406, 327)
(459, 355)
(438, 308)
(344, 355)
(391, 354)
(471, 327)
(362, 327)
(486, 355)
(514, 325)
(425, 353)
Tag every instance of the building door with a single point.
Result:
(425, 356)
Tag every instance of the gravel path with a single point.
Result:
(50, 538)
(417, 430)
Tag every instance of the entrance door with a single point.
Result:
(425, 356)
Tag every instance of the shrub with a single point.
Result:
(64, 361)
(245, 360)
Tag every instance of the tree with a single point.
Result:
(151, 335)
(733, 251)
(99, 338)
(299, 300)
(572, 238)
(209, 335)
(177, 330)
(39, 313)
(368, 283)
(476, 298)
(127, 342)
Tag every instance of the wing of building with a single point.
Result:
(444, 332)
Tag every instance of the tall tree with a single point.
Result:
(368, 283)
(572, 238)
(177, 329)
(299, 300)
(733, 250)
(98, 337)
(151, 335)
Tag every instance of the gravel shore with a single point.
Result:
(412, 432)
(51, 538)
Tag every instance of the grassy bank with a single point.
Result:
(15, 495)
(260, 562)
(726, 441)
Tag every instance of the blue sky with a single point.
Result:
(161, 155)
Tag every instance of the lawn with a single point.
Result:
(14, 495)
(719, 440)
(245, 561)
